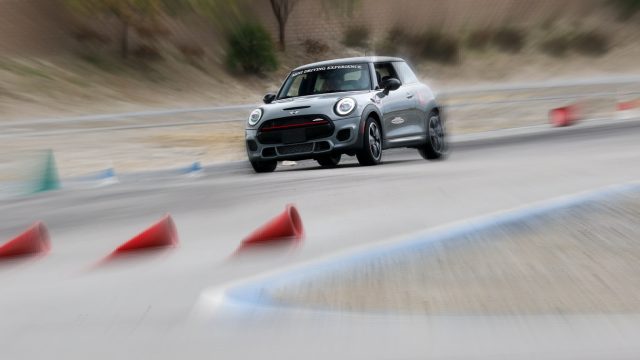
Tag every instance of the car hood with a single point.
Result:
(307, 105)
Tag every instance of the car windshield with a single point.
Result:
(326, 79)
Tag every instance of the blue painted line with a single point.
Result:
(196, 167)
(255, 294)
(107, 174)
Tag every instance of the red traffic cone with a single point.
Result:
(34, 240)
(627, 105)
(563, 116)
(285, 227)
(161, 234)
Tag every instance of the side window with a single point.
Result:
(406, 74)
(384, 71)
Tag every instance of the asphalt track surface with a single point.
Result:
(69, 305)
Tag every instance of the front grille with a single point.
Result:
(297, 129)
(269, 152)
(295, 149)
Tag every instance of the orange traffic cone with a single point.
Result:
(161, 234)
(33, 241)
(627, 105)
(286, 227)
(563, 116)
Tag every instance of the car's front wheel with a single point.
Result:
(371, 152)
(436, 145)
(329, 161)
(264, 166)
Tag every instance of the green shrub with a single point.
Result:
(590, 43)
(398, 35)
(356, 36)
(626, 8)
(385, 47)
(392, 44)
(437, 46)
(251, 49)
(509, 39)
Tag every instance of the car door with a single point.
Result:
(396, 106)
(410, 87)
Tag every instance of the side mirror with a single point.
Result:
(269, 98)
(390, 84)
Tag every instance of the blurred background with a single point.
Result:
(60, 59)
(116, 112)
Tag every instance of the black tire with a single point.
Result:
(436, 146)
(264, 166)
(329, 161)
(371, 152)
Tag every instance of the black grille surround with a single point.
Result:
(295, 149)
(295, 129)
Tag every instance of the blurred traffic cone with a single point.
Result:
(286, 227)
(194, 169)
(563, 116)
(33, 241)
(161, 234)
(107, 177)
(628, 109)
(46, 178)
(627, 105)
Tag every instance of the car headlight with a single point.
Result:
(255, 116)
(345, 106)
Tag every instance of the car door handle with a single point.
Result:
(409, 95)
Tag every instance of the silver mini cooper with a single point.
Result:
(354, 106)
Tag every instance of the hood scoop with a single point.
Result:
(296, 108)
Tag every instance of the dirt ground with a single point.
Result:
(578, 260)
(70, 85)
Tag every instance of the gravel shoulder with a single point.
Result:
(579, 260)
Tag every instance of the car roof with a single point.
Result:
(351, 60)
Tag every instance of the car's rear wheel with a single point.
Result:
(436, 145)
(264, 166)
(371, 152)
(329, 161)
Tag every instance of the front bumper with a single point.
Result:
(345, 138)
